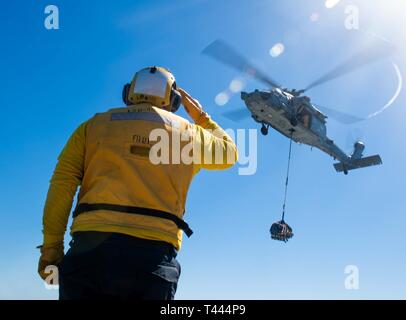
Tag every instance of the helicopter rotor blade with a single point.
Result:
(224, 53)
(366, 56)
(340, 116)
(237, 115)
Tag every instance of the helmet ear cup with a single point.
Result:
(126, 91)
(176, 99)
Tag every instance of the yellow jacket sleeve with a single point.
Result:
(65, 180)
(218, 150)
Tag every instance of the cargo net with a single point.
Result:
(281, 231)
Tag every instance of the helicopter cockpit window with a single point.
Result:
(318, 127)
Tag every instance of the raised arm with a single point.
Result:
(217, 151)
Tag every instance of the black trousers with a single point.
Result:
(102, 265)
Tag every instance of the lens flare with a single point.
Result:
(277, 50)
(222, 98)
(331, 3)
(314, 17)
(236, 85)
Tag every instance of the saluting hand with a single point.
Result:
(192, 106)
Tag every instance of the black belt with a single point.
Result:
(86, 207)
(83, 241)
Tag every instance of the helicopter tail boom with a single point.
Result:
(358, 163)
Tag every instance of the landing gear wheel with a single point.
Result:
(345, 172)
(264, 130)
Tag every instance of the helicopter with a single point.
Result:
(292, 113)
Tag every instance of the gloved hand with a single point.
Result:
(50, 255)
(193, 107)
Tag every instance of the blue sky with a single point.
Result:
(52, 80)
